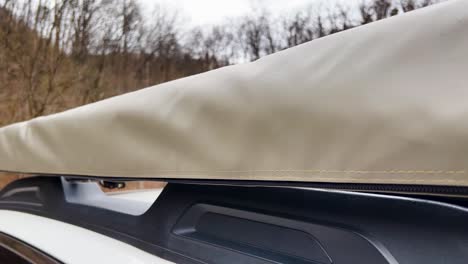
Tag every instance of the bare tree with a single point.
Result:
(256, 35)
(299, 28)
(37, 55)
(160, 43)
(130, 16)
(56, 54)
(410, 5)
(83, 21)
(216, 47)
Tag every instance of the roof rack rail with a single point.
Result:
(193, 223)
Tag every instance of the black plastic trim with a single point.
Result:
(414, 189)
(193, 223)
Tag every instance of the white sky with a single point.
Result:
(209, 12)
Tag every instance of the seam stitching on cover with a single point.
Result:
(331, 171)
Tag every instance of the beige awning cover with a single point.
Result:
(382, 103)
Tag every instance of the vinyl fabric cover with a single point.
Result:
(382, 103)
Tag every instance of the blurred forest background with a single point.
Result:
(59, 54)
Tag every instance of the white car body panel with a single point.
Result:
(71, 244)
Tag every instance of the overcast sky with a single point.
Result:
(209, 12)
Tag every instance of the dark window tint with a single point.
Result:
(16, 251)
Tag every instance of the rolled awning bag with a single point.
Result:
(382, 103)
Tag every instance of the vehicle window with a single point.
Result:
(15, 251)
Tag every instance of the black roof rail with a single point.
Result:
(199, 223)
